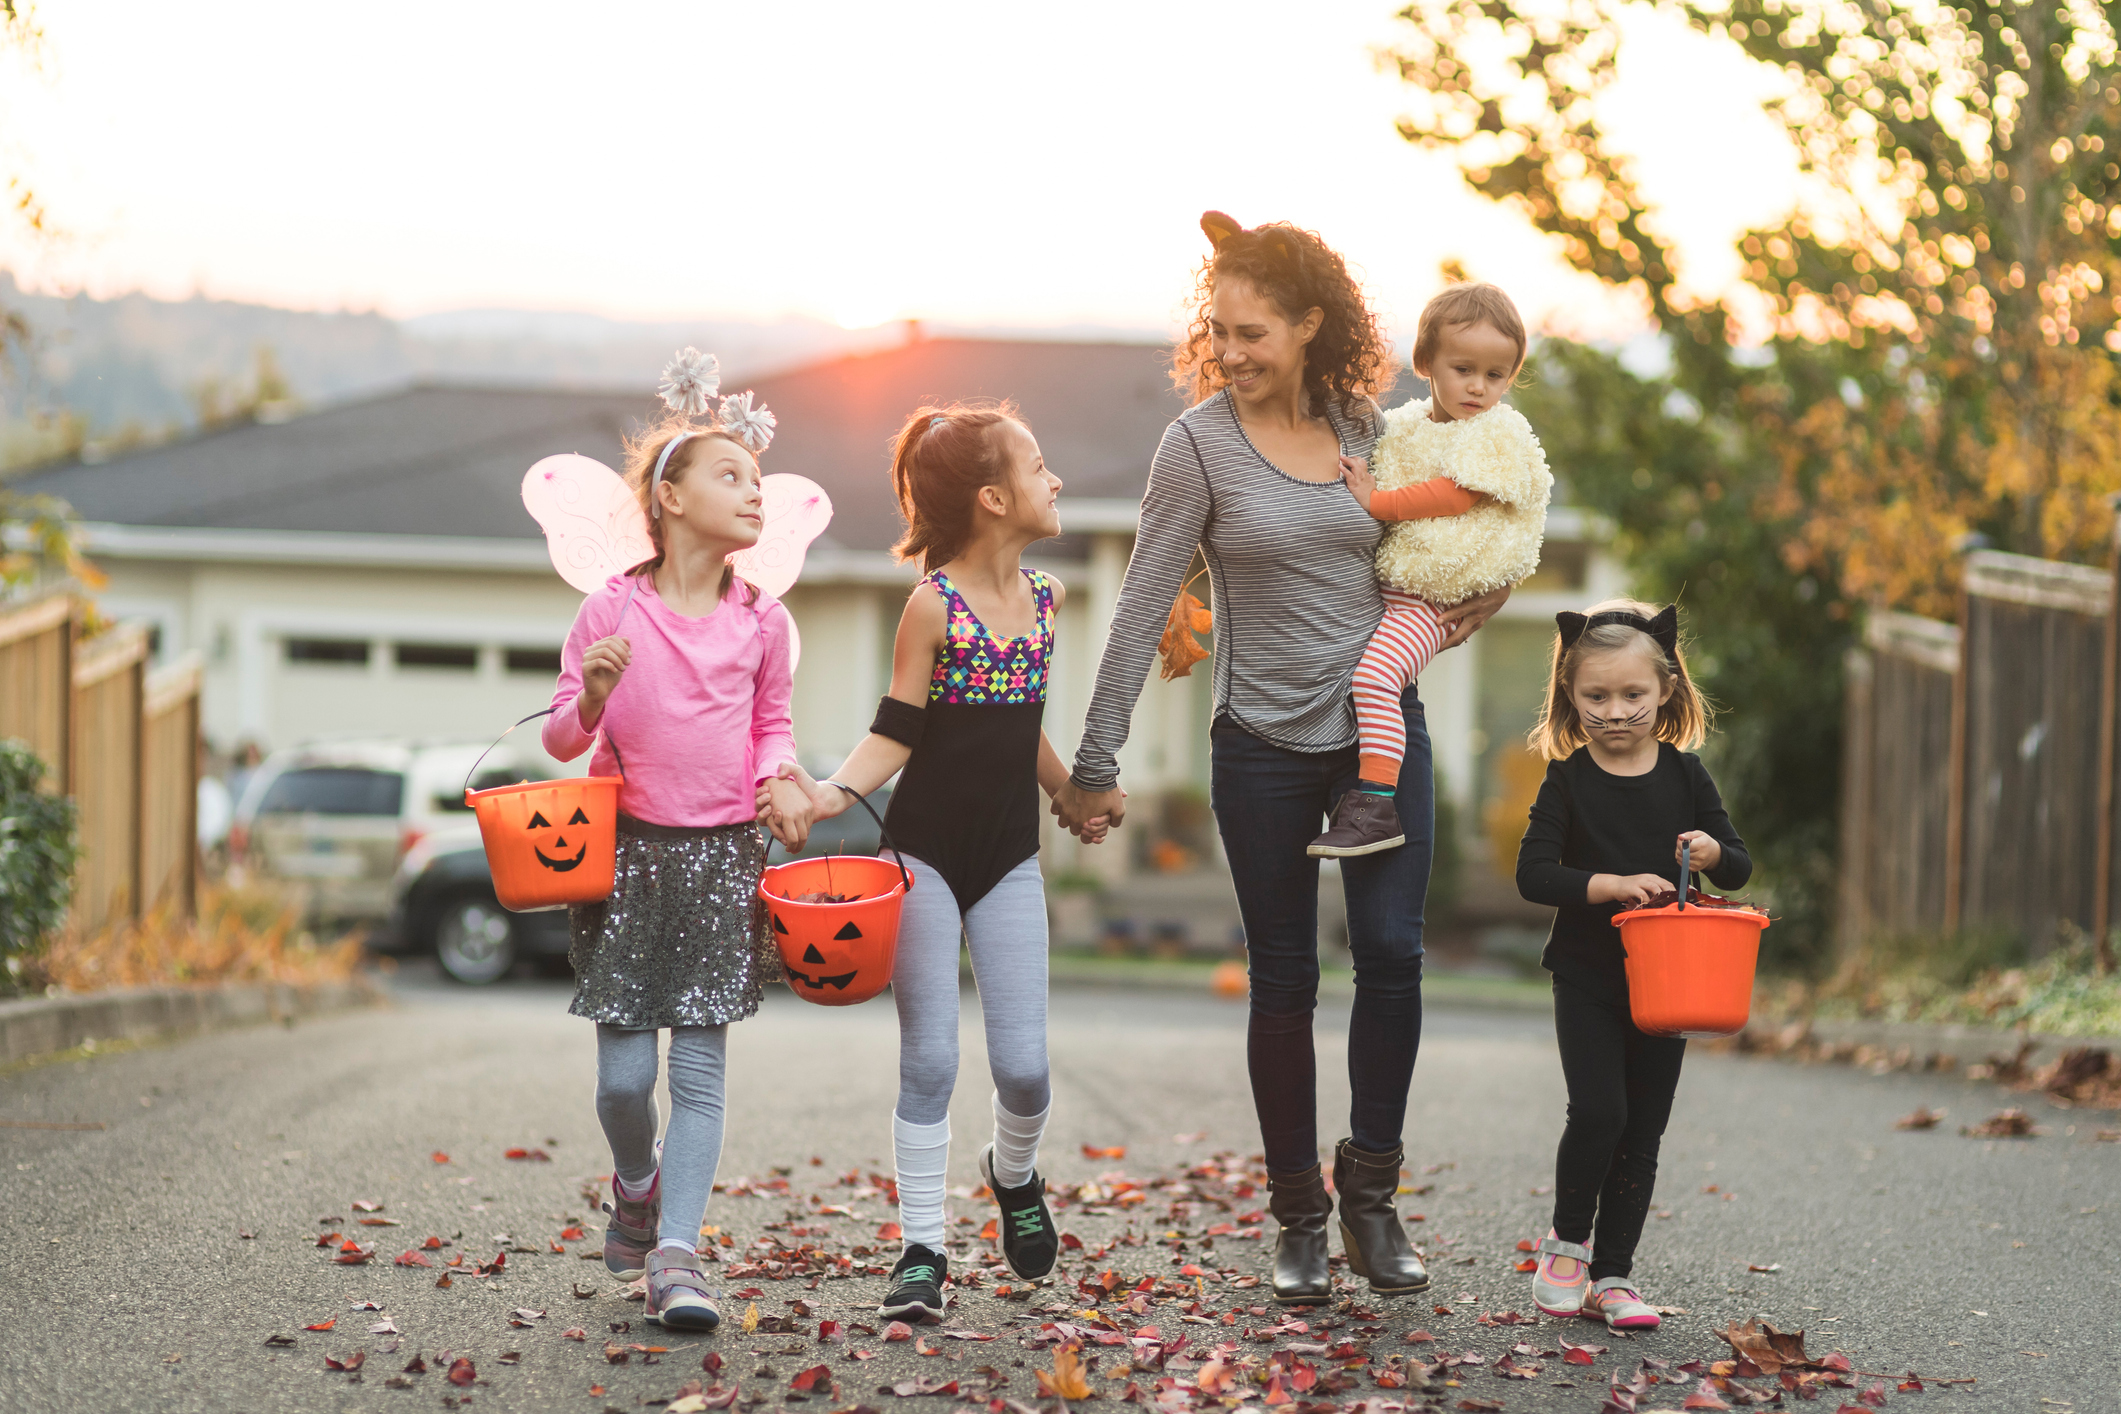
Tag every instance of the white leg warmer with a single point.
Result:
(922, 1154)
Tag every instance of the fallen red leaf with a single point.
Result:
(898, 1330)
(365, 1205)
(1529, 1264)
(1480, 1406)
(439, 1157)
(1109, 1151)
(353, 1255)
(325, 1239)
(323, 1325)
(829, 1333)
(443, 1281)
(888, 1231)
(1526, 1244)
(1420, 1338)
(348, 1363)
(462, 1371)
(539, 1155)
(574, 1333)
(808, 1379)
(412, 1259)
(571, 1233)
(1704, 1398)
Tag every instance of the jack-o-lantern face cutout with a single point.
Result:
(819, 980)
(559, 861)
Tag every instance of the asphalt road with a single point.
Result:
(144, 1265)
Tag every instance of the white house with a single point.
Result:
(369, 569)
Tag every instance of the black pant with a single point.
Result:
(1270, 803)
(1621, 1084)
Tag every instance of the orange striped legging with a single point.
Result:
(1400, 648)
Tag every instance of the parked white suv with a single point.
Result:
(331, 822)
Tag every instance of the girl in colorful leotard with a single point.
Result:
(960, 728)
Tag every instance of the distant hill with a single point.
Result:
(135, 367)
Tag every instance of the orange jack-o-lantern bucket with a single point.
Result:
(548, 842)
(1690, 969)
(838, 952)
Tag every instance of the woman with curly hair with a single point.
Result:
(1284, 361)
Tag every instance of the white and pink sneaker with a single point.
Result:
(1562, 1276)
(1615, 1301)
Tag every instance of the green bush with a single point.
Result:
(37, 853)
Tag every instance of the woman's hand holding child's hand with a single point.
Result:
(1633, 890)
(1355, 472)
(1707, 853)
(602, 667)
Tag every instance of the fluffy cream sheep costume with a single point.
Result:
(1453, 558)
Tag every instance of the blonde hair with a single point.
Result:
(1683, 718)
(642, 452)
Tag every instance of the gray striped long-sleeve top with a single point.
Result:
(1294, 569)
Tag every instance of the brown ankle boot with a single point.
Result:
(1370, 1230)
(1362, 824)
(1300, 1203)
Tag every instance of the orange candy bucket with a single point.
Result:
(838, 954)
(1690, 970)
(550, 842)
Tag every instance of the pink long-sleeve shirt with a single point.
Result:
(701, 714)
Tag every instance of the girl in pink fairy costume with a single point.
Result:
(680, 674)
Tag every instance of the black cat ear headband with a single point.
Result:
(1663, 629)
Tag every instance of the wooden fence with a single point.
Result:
(1978, 776)
(122, 741)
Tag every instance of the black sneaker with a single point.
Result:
(917, 1285)
(1362, 824)
(1030, 1241)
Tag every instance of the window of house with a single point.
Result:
(462, 656)
(532, 660)
(346, 651)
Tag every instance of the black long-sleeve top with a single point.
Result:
(1587, 821)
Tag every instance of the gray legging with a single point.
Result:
(626, 1068)
(1006, 932)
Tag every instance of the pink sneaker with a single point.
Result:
(1562, 1277)
(1614, 1301)
(631, 1235)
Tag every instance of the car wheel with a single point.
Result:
(475, 940)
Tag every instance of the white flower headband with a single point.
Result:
(690, 381)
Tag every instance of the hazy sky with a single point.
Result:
(987, 163)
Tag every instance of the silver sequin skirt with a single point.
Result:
(683, 940)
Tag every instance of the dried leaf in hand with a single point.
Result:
(1180, 650)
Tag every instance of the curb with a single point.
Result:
(1899, 1044)
(40, 1026)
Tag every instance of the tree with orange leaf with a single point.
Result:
(1939, 312)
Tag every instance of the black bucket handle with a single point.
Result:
(1686, 870)
(883, 839)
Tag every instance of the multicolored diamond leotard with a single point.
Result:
(968, 801)
(978, 669)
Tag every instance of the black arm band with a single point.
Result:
(900, 721)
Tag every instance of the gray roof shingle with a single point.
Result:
(440, 459)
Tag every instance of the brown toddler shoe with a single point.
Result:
(1362, 824)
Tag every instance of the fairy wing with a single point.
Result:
(797, 511)
(593, 523)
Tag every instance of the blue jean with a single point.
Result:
(1270, 803)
